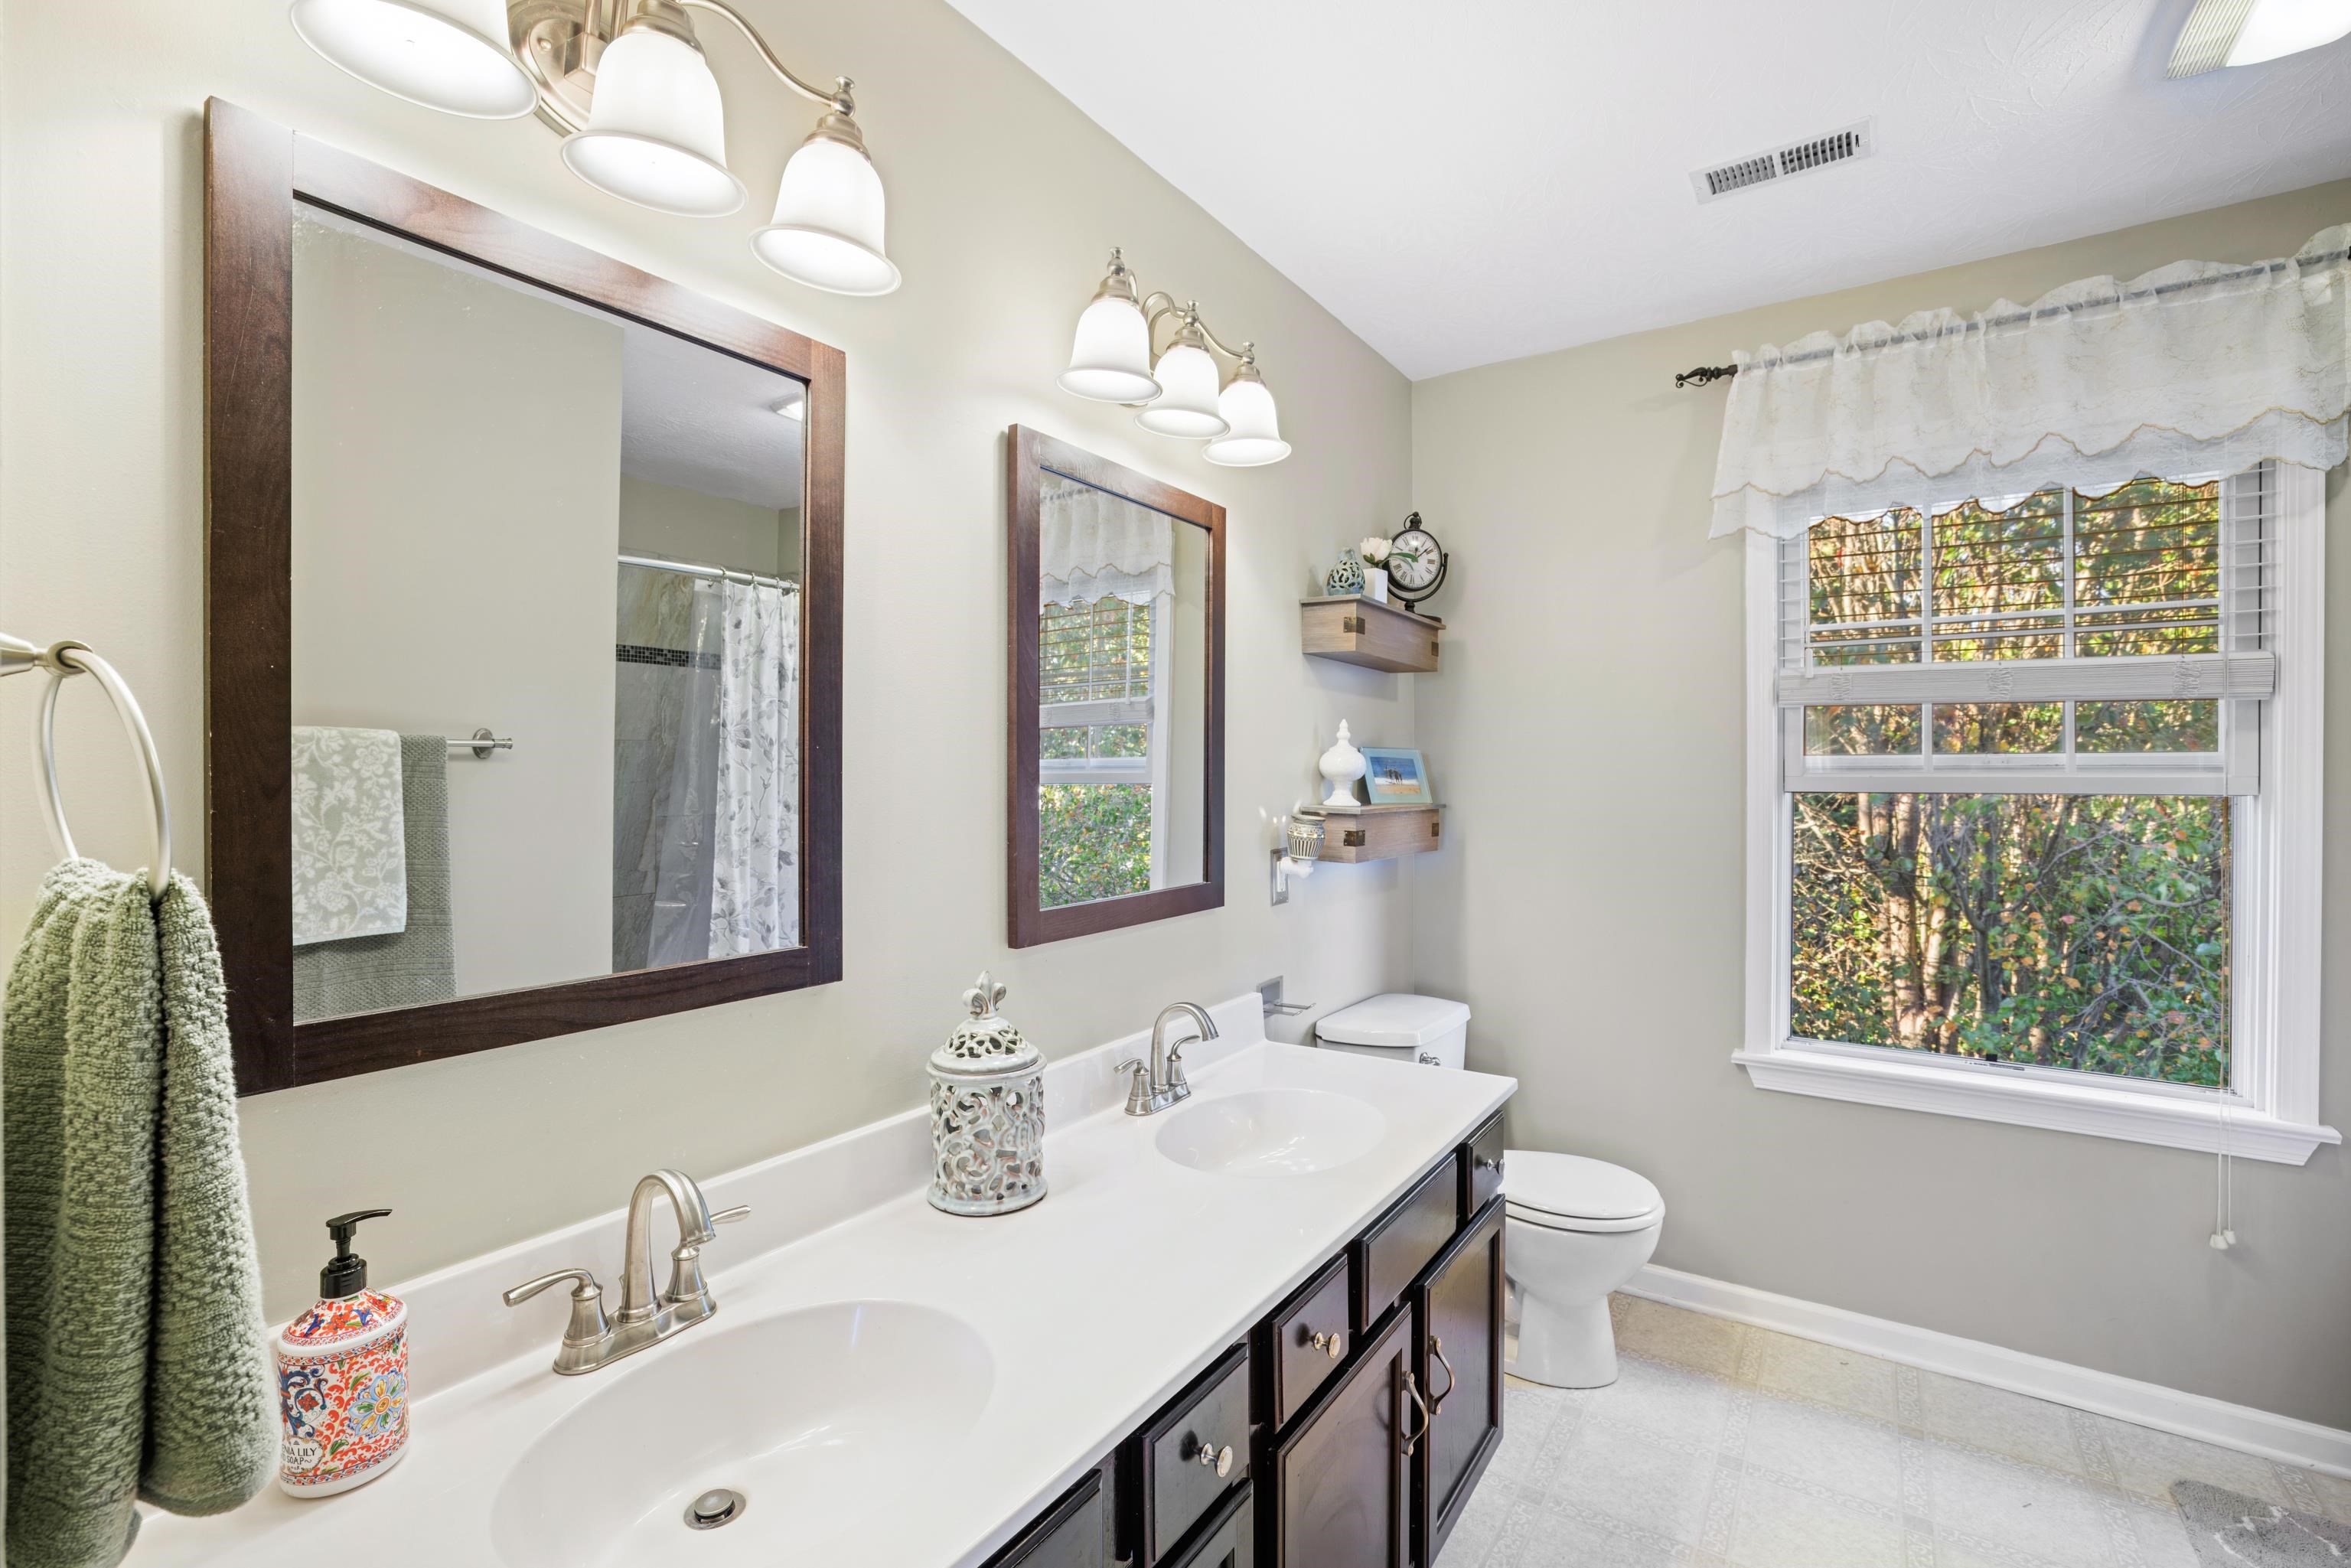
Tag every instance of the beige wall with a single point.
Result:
(1004, 202)
(709, 531)
(1590, 907)
(435, 597)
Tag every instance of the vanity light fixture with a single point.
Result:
(626, 85)
(1178, 394)
(2249, 32)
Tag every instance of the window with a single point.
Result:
(1100, 790)
(2033, 815)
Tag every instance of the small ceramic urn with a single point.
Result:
(987, 1114)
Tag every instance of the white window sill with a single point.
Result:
(1951, 1089)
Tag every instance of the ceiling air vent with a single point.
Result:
(1786, 162)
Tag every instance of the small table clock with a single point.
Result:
(1416, 563)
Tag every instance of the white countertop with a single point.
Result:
(1097, 1305)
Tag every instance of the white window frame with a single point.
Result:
(2271, 1109)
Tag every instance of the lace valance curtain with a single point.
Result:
(1094, 545)
(2191, 371)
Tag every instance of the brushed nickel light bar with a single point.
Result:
(625, 84)
(1116, 358)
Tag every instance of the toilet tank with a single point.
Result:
(1400, 1027)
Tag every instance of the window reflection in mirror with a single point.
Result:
(1122, 652)
(516, 513)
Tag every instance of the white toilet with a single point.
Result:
(1576, 1228)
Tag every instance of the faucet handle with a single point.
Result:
(588, 1323)
(1178, 1086)
(729, 1216)
(1139, 1090)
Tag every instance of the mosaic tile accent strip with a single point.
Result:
(638, 654)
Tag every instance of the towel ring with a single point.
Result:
(67, 659)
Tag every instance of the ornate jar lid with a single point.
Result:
(984, 1044)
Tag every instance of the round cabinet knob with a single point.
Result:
(1329, 1344)
(1218, 1459)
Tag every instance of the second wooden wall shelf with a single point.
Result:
(1359, 631)
(1380, 832)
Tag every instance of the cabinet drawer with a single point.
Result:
(1400, 1242)
(1306, 1339)
(1481, 1167)
(1196, 1450)
(1228, 1540)
(1073, 1533)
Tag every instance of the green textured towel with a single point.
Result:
(136, 1351)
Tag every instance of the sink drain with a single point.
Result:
(720, 1505)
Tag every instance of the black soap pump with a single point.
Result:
(346, 1273)
(343, 1376)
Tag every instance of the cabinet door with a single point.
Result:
(1458, 1310)
(1340, 1488)
(1075, 1532)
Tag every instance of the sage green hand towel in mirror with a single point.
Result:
(136, 1351)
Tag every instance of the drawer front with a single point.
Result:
(1308, 1338)
(1401, 1242)
(1073, 1533)
(1228, 1540)
(1196, 1453)
(1481, 1167)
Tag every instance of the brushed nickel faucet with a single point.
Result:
(1159, 1083)
(645, 1317)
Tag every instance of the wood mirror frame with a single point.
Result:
(254, 174)
(1027, 454)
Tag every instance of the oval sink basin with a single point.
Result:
(1272, 1132)
(817, 1418)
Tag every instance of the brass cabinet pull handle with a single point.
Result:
(1452, 1379)
(1411, 1440)
(1329, 1344)
(1215, 1459)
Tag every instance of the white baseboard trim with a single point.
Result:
(2208, 1420)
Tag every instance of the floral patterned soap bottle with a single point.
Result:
(342, 1377)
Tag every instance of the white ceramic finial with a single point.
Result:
(1342, 765)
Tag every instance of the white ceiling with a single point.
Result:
(699, 419)
(1465, 182)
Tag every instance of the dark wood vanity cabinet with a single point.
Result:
(1349, 1430)
(1458, 1313)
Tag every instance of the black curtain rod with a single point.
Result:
(1706, 375)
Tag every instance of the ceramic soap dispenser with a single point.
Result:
(342, 1377)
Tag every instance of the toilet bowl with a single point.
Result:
(1576, 1229)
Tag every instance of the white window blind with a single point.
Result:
(1095, 697)
(2055, 642)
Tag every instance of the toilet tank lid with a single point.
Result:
(1395, 1018)
(1575, 1187)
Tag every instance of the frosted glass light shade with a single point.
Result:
(656, 130)
(827, 228)
(1187, 395)
(449, 55)
(1109, 361)
(2275, 28)
(1255, 437)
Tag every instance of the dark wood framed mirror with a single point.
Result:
(522, 626)
(1116, 700)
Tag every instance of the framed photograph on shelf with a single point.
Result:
(1396, 776)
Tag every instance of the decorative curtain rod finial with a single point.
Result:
(1706, 375)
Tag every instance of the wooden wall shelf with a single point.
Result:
(1380, 833)
(1359, 631)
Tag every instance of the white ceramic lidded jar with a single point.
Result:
(987, 1114)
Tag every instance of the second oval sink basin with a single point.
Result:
(1272, 1132)
(814, 1419)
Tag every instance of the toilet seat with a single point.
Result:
(1569, 1192)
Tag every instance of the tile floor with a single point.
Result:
(1726, 1447)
